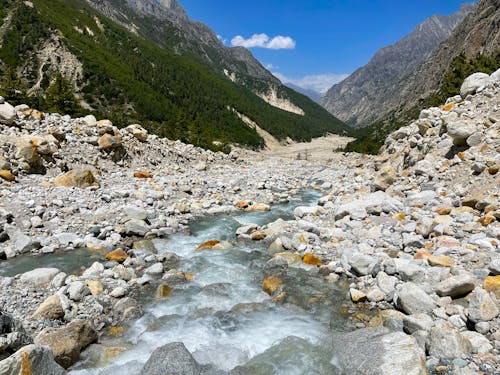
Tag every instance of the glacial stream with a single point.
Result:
(224, 318)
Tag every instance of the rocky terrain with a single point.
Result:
(414, 230)
(375, 89)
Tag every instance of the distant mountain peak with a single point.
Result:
(374, 90)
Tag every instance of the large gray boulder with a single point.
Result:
(173, 359)
(473, 82)
(31, 359)
(359, 208)
(482, 306)
(448, 343)
(377, 351)
(39, 276)
(456, 286)
(411, 299)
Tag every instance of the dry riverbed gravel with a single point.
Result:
(416, 230)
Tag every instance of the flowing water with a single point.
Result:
(224, 318)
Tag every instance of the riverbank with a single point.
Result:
(414, 231)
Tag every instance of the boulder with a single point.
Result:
(7, 113)
(456, 286)
(480, 344)
(448, 343)
(172, 359)
(413, 300)
(271, 284)
(492, 284)
(90, 120)
(27, 151)
(138, 132)
(482, 307)
(385, 178)
(359, 208)
(136, 227)
(50, 309)
(374, 351)
(80, 178)
(67, 342)
(459, 131)
(7, 175)
(39, 276)
(495, 76)
(110, 142)
(119, 255)
(473, 82)
(362, 264)
(31, 359)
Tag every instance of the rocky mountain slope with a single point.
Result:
(374, 90)
(167, 24)
(155, 66)
(414, 230)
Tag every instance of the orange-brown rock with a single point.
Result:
(109, 142)
(440, 261)
(119, 255)
(81, 178)
(422, 254)
(492, 284)
(242, 204)
(7, 175)
(271, 284)
(143, 175)
(258, 236)
(494, 169)
(487, 220)
(312, 260)
(448, 107)
(280, 297)
(443, 211)
(208, 245)
(399, 216)
(163, 291)
(116, 331)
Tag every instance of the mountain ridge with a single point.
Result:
(130, 78)
(371, 91)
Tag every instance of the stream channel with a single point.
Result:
(224, 318)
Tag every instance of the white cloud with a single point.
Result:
(224, 41)
(264, 41)
(320, 82)
(271, 66)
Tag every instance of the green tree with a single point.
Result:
(59, 97)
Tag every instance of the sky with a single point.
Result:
(314, 42)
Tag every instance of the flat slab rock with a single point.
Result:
(376, 351)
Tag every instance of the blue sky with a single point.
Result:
(328, 37)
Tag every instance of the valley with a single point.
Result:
(168, 206)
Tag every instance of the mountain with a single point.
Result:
(374, 90)
(473, 46)
(475, 40)
(312, 94)
(143, 61)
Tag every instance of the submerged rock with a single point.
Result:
(174, 359)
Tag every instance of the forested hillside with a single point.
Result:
(66, 57)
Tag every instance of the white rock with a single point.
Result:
(7, 113)
(40, 276)
(473, 82)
